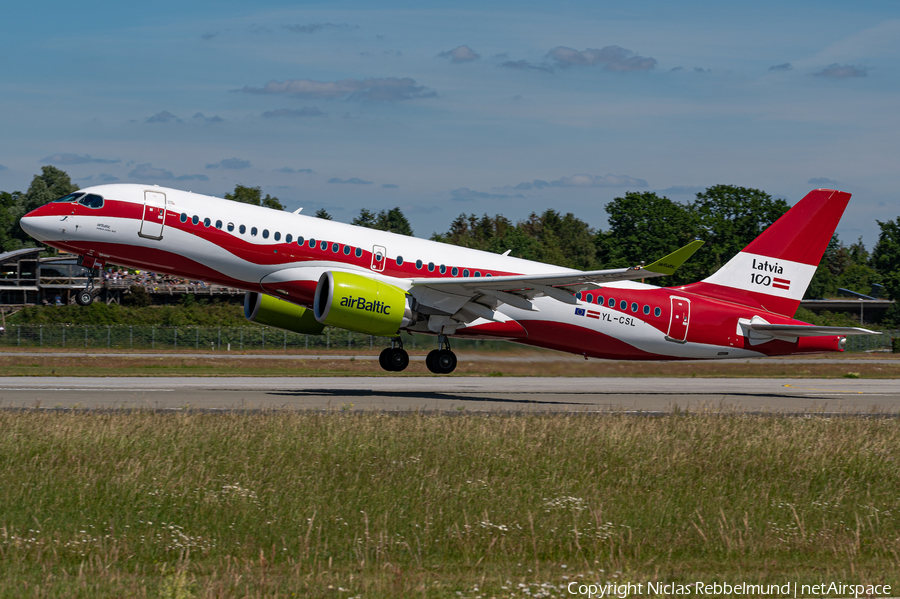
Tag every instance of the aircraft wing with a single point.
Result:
(451, 294)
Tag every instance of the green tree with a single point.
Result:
(253, 195)
(729, 218)
(391, 220)
(366, 219)
(323, 214)
(886, 257)
(646, 227)
(50, 185)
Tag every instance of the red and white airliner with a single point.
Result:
(302, 273)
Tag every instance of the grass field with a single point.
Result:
(344, 504)
(522, 363)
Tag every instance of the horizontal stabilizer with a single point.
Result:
(793, 331)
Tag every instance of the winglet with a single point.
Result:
(669, 264)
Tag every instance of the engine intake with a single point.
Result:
(271, 311)
(358, 303)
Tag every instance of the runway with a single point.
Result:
(458, 394)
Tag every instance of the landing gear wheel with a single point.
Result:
(383, 359)
(445, 361)
(84, 298)
(429, 361)
(394, 358)
(441, 361)
(398, 359)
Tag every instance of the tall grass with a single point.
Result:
(307, 504)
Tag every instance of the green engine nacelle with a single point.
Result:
(361, 304)
(271, 311)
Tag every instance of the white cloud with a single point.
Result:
(460, 54)
(585, 181)
(147, 172)
(390, 89)
(231, 164)
(614, 58)
(163, 117)
(69, 159)
(293, 112)
(842, 71)
(351, 181)
(464, 194)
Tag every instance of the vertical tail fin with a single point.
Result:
(774, 271)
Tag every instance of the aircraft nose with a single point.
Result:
(30, 224)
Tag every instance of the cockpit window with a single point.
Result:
(91, 200)
(72, 197)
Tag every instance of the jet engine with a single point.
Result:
(358, 303)
(271, 311)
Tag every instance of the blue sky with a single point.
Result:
(450, 107)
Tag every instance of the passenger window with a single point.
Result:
(623, 305)
(277, 236)
(183, 217)
(253, 232)
(646, 309)
(431, 267)
(454, 271)
(300, 240)
(477, 273)
(195, 219)
(346, 250)
(443, 269)
(418, 264)
(243, 229)
(323, 245)
(206, 222)
(288, 238)
(600, 300)
(590, 298)
(358, 252)
(634, 307)
(230, 227)
(578, 295)
(487, 274)
(466, 272)
(218, 224)
(312, 243)
(399, 260)
(657, 311)
(611, 303)
(335, 247)
(265, 233)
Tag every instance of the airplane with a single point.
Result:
(303, 273)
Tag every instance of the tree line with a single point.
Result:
(643, 226)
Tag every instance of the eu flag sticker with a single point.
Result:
(579, 311)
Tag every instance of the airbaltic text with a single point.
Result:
(360, 303)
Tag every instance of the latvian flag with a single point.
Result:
(781, 283)
(593, 314)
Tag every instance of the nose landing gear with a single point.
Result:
(394, 358)
(93, 265)
(443, 360)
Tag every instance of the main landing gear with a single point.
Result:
(394, 358)
(443, 360)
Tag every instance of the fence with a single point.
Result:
(263, 338)
(211, 338)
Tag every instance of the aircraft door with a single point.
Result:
(154, 215)
(679, 319)
(379, 258)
